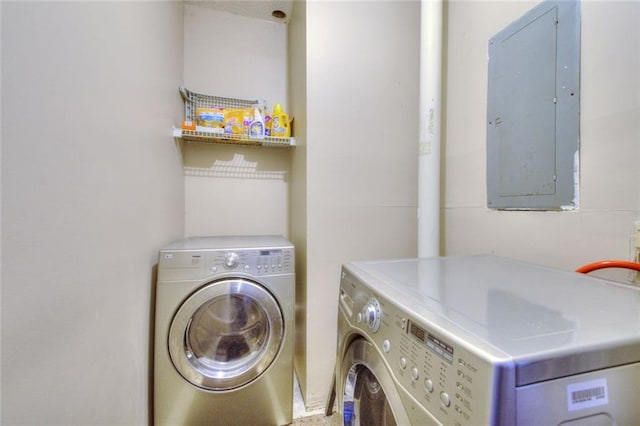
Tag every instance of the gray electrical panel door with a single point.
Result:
(533, 117)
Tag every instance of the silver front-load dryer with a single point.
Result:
(224, 327)
(483, 340)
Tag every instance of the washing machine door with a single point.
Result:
(370, 396)
(226, 334)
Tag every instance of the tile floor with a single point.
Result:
(316, 420)
(301, 417)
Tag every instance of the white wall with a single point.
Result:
(298, 207)
(609, 148)
(234, 189)
(92, 187)
(361, 142)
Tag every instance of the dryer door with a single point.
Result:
(370, 396)
(226, 334)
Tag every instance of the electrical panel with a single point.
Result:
(533, 114)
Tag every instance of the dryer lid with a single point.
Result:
(522, 310)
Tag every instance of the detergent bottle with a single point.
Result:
(280, 123)
(256, 128)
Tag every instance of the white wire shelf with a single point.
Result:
(221, 138)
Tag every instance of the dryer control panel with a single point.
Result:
(253, 261)
(200, 264)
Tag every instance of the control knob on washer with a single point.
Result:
(231, 260)
(372, 314)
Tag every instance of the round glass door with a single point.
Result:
(226, 334)
(365, 402)
(369, 395)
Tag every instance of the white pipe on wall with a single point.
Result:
(429, 132)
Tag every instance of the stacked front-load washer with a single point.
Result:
(224, 332)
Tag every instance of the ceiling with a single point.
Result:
(260, 9)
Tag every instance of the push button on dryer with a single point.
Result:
(414, 373)
(403, 363)
(428, 385)
(445, 399)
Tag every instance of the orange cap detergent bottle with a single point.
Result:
(280, 126)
